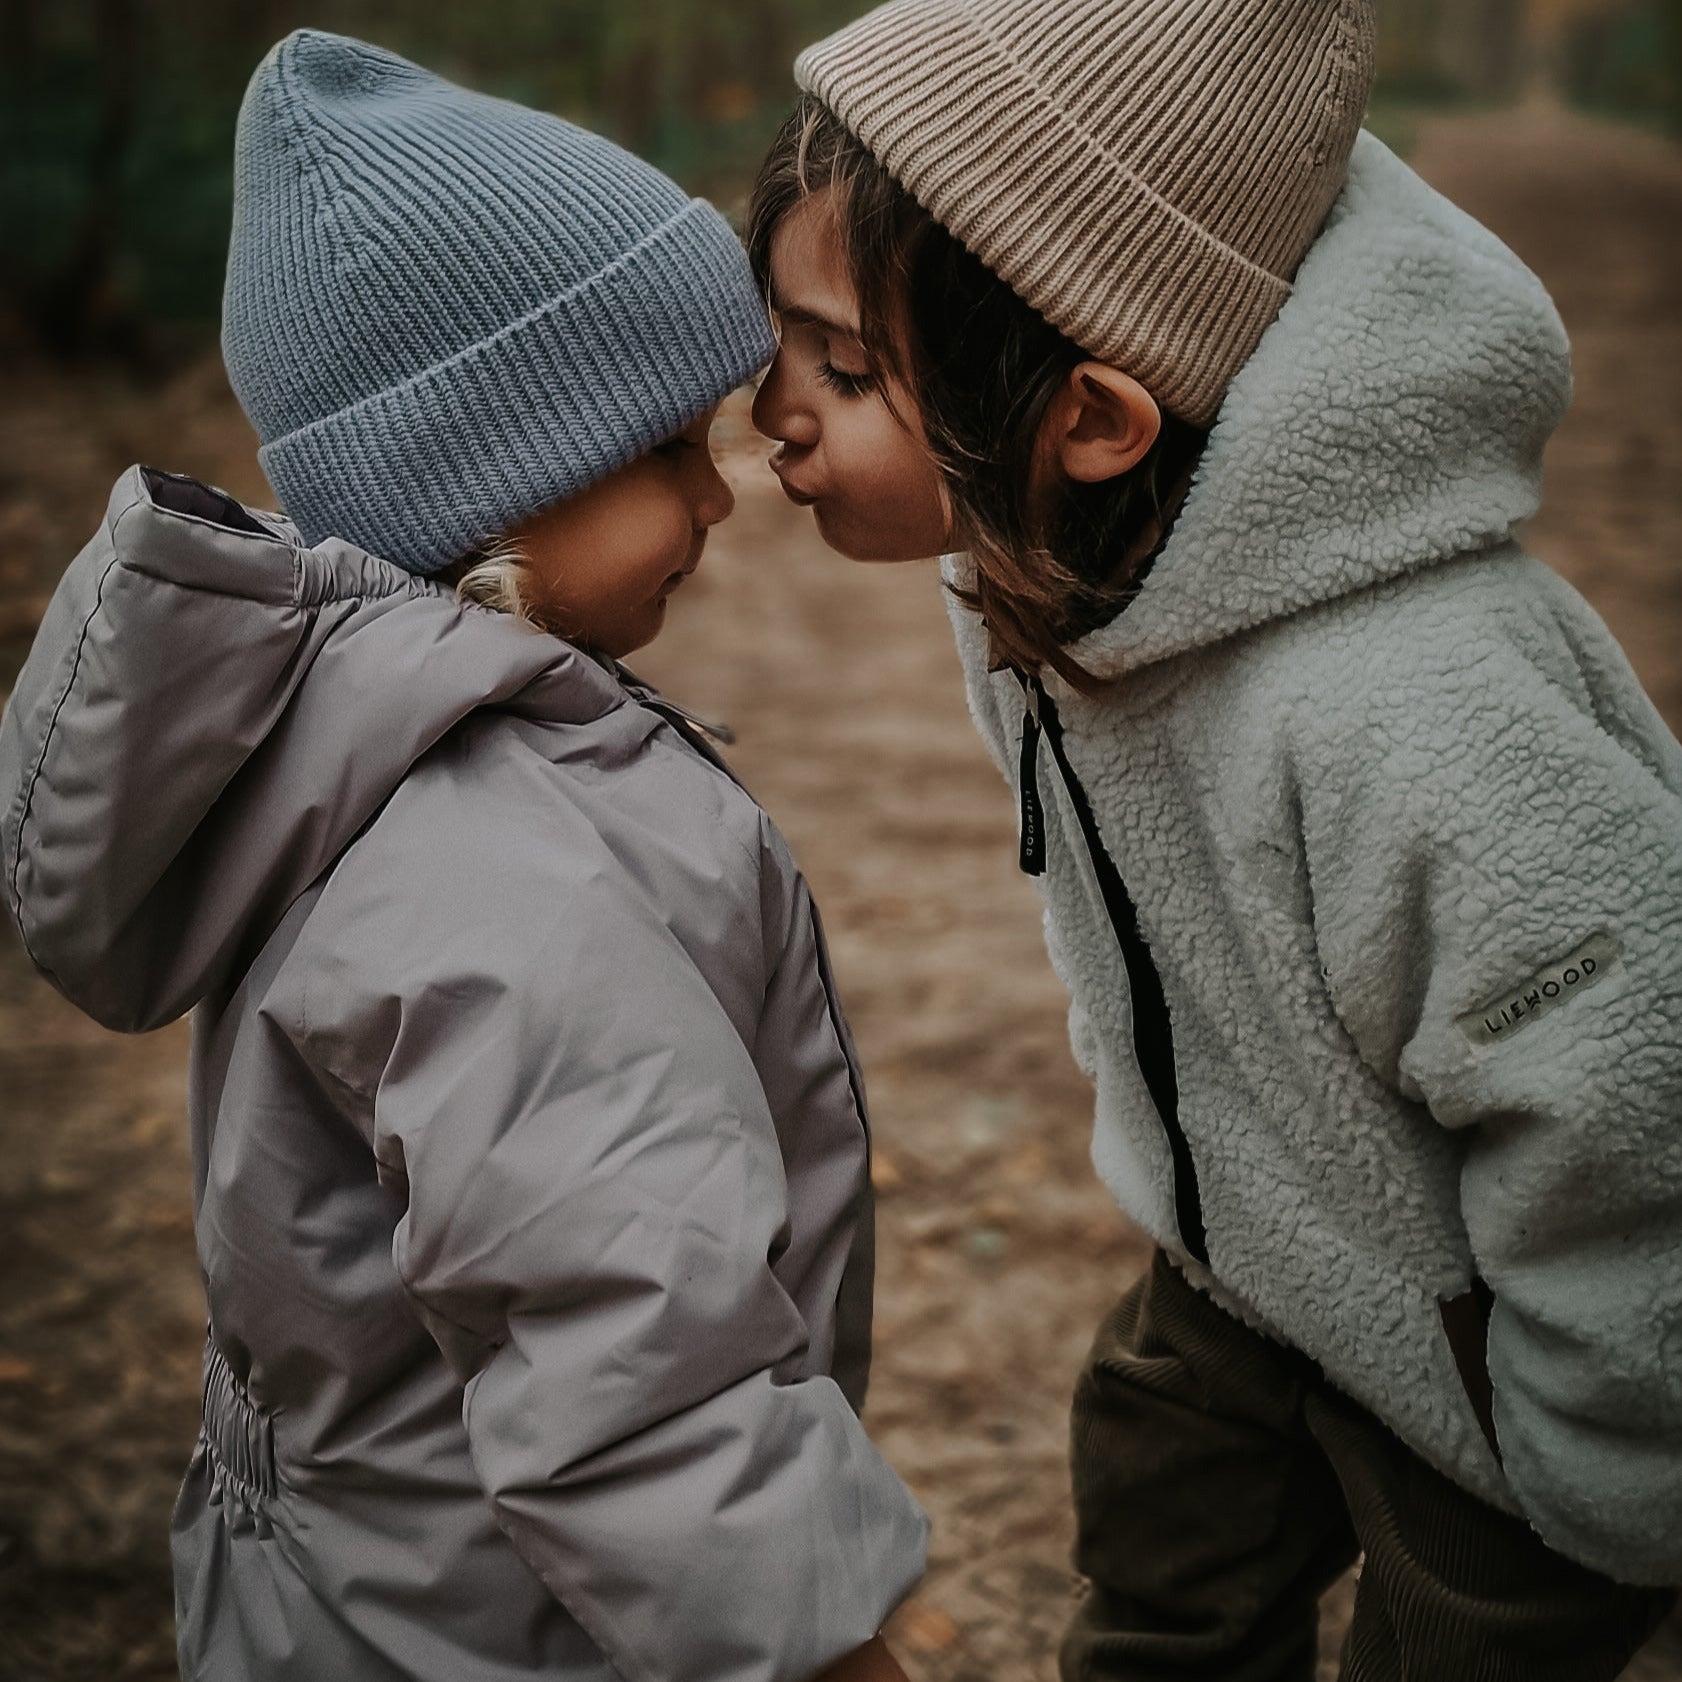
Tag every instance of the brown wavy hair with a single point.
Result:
(1051, 564)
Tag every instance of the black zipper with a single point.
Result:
(1032, 827)
(1153, 1031)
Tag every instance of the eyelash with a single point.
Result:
(847, 385)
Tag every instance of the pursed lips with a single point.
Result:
(800, 498)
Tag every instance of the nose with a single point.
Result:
(776, 412)
(717, 501)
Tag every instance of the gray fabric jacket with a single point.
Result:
(1399, 1022)
(532, 1195)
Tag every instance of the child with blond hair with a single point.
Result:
(532, 1187)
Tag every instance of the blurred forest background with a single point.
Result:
(118, 115)
(1555, 121)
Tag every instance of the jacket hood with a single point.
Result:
(1393, 417)
(209, 715)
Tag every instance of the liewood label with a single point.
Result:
(1560, 982)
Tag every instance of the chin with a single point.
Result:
(867, 547)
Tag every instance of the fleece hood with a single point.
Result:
(229, 707)
(1393, 417)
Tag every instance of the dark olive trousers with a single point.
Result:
(1221, 1485)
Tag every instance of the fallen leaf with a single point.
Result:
(1027, 1165)
(925, 1627)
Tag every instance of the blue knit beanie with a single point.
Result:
(445, 312)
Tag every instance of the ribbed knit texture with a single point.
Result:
(445, 312)
(1147, 174)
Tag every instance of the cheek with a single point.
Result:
(615, 563)
(905, 472)
(893, 485)
(645, 543)
(874, 445)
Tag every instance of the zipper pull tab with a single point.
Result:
(1032, 827)
(718, 730)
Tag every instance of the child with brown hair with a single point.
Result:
(1360, 846)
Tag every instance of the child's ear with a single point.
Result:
(1101, 424)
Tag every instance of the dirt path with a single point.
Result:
(999, 1251)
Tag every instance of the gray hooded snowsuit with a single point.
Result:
(532, 1196)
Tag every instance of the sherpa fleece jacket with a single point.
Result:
(531, 1181)
(1366, 882)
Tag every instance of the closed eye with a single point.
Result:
(847, 385)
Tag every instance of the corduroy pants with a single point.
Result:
(1221, 1485)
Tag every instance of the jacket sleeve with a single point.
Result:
(595, 1198)
(1495, 855)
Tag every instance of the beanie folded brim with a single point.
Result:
(910, 80)
(423, 471)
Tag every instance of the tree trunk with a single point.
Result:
(18, 20)
(1671, 17)
(1481, 46)
(81, 309)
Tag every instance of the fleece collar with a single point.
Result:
(1393, 417)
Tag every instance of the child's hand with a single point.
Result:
(870, 1663)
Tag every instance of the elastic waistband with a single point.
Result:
(237, 1432)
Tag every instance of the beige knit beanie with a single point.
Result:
(1147, 174)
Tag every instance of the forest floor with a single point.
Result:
(999, 1251)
